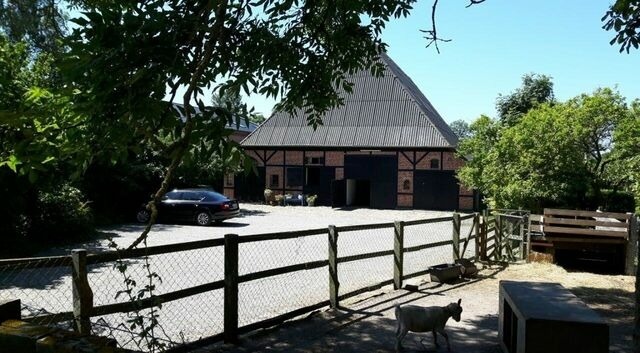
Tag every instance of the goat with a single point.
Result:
(423, 319)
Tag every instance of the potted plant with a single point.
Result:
(311, 200)
(268, 196)
(279, 199)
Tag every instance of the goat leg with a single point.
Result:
(446, 338)
(435, 338)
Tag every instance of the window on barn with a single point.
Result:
(228, 180)
(274, 181)
(314, 160)
(294, 176)
(435, 163)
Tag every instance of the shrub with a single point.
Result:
(62, 215)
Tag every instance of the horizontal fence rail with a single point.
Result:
(356, 259)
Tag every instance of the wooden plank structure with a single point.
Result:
(584, 230)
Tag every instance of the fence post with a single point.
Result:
(456, 236)
(231, 288)
(528, 237)
(398, 254)
(485, 235)
(498, 249)
(476, 230)
(632, 247)
(82, 294)
(334, 283)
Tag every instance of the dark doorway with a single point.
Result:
(380, 172)
(250, 187)
(318, 182)
(435, 190)
(338, 193)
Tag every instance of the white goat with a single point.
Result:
(423, 319)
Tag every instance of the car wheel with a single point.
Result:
(143, 216)
(203, 218)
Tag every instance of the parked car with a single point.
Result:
(201, 206)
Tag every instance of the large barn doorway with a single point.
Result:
(371, 180)
(250, 187)
(435, 190)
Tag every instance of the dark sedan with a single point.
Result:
(200, 205)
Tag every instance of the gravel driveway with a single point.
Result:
(201, 315)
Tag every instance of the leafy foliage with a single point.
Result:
(40, 23)
(536, 89)
(461, 129)
(565, 154)
(624, 18)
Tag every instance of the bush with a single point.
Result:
(617, 201)
(62, 215)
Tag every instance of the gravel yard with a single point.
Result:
(257, 219)
(187, 319)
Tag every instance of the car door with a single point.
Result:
(189, 205)
(169, 205)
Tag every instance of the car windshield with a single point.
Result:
(213, 196)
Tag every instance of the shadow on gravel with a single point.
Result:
(244, 212)
(228, 224)
(364, 328)
(616, 307)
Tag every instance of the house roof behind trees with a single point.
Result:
(386, 111)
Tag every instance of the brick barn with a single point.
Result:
(386, 147)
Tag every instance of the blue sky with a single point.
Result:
(495, 43)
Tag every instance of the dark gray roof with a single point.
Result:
(386, 111)
(238, 124)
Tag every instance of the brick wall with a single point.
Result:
(405, 178)
(293, 157)
(451, 162)
(334, 159)
(405, 201)
(274, 171)
(465, 203)
(425, 162)
(404, 162)
(276, 158)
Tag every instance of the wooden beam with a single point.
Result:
(583, 231)
(585, 240)
(579, 213)
(584, 222)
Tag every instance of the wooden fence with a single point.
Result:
(481, 232)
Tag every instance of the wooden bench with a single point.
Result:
(538, 317)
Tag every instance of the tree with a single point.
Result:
(536, 89)
(484, 135)
(298, 53)
(39, 23)
(563, 154)
(461, 129)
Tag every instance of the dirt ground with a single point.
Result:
(366, 323)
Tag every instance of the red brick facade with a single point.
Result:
(277, 161)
